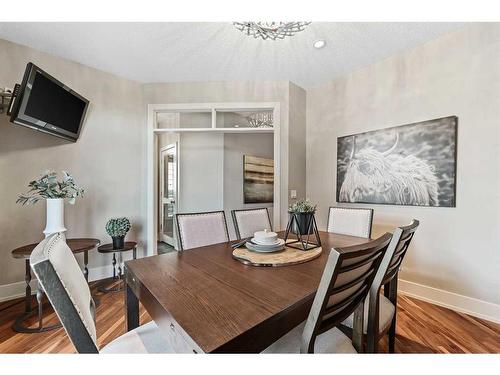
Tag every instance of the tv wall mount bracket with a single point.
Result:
(7, 98)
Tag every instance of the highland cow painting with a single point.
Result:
(411, 165)
(258, 180)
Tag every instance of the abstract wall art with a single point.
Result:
(258, 179)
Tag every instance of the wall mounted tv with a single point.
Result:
(45, 104)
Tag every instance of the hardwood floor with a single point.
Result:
(421, 328)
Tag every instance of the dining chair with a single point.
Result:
(201, 229)
(382, 309)
(247, 222)
(350, 221)
(344, 285)
(63, 282)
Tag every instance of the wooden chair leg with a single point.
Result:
(357, 328)
(393, 297)
(392, 335)
(373, 335)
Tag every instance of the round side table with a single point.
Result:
(77, 245)
(117, 271)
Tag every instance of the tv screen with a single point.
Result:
(46, 104)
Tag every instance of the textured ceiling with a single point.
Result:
(173, 52)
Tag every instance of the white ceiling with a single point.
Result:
(174, 52)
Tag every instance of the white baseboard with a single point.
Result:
(453, 301)
(17, 290)
(99, 273)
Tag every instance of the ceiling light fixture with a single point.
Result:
(318, 44)
(271, 30)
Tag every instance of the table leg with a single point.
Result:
(132, 308)
(39, 299)
(116, 275)
(114, 266)
(27, 302)
(134, 253)
(119, 265)
(85, 264)
(19, 324)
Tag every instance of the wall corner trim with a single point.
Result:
(453, 301)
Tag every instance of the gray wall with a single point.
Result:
(455, 249)
(235, 146)
(108, 160)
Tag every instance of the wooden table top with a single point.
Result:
(222, 304)
(108, 248)
(77, 245)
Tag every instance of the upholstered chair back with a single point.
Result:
(201, 229)
(61, 278)
(247, 222)
(344, 285)
(350, 221)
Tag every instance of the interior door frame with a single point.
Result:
(161, 192)
(280, 155)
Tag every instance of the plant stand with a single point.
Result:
(117, 274)
(303, 240)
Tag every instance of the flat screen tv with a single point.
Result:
(45, 104)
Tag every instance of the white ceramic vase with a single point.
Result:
(55, 216)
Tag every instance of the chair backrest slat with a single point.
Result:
(201, 229)
(345, 283)
(330, 316)
(352, 283)
(350, 221)
(247, 222)
(59, 275)
(360, 263)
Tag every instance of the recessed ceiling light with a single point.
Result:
(319, 44)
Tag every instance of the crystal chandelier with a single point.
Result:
(271, 30)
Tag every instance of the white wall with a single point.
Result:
(455, 250)
(108, 160)
(201, 172)
(297, 140)
(235, 146)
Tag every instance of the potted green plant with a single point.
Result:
(303, 210)
(117, 229)
(54, 191)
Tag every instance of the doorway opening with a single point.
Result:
(196, 155)
(167, 236)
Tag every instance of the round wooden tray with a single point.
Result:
(286, 257)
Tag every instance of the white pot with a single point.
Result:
(55, 216)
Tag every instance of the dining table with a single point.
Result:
(203, 300)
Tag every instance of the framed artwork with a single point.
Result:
(411, 165)
(258, 179)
